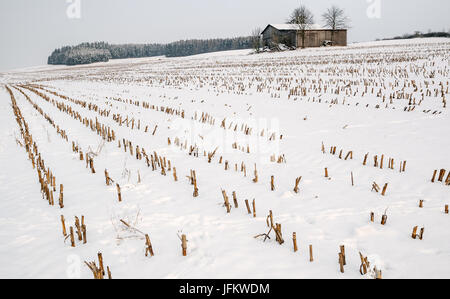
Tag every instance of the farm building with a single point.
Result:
(290, 35)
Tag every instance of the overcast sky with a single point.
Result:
(31, 29)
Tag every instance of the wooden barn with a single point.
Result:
(290, 35)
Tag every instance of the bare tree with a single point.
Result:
(335, 18)
(303, 18)
(256, 39)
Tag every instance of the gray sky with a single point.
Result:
(31, 29)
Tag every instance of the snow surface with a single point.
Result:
(296, 26)
(245, 89)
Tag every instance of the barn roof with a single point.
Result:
(288, 27)
(295, 26)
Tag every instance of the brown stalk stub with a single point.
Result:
(226, 201)
(276, 227)
(364, 264)
(384, 189)
(297, 182)
(342, 251)
(254, 208)
(384, 219)
(421, 233)
(341, 262)
(83, 229)
(414, 232)
(63, 226)
(248, 206)
(294, 240)
(119, 194)
(78, 227)
(375, 187)
(149, 248)
(184, 245)
(99, 272)
(236, 204)
(72, 238)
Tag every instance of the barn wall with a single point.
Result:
(272, 35)
(340, 38)
(268, 35)
(315, 38)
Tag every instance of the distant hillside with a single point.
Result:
(86, 53)
(420, 34)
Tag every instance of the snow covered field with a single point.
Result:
(222, 115)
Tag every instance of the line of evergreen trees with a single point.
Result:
(420, 34)
(86, 53)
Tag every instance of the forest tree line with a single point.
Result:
(86, 53)
(419, 34)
